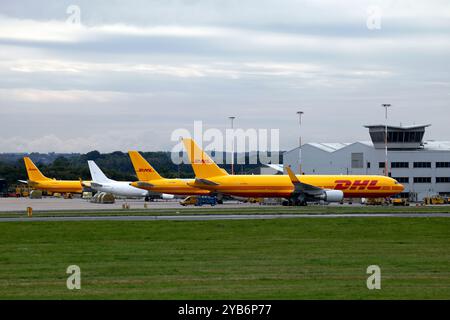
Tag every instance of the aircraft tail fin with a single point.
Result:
(144, 171)
(96, 173)
(204, 167)
(34, 174)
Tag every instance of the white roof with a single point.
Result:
(333, 147)
(399, 127)
(329, 147)
(437, 145)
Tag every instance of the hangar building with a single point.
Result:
(423, 167)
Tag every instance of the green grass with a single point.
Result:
(262, 259)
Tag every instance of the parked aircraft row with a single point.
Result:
(100, 182)
(212, 180)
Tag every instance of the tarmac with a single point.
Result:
(10, 206)
(228, 217)
(60, 204)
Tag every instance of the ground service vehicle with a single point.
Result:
(199, 201)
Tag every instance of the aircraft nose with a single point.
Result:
(399, 187)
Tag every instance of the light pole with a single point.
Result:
(300, 114)
(386, 169)
(232, 146)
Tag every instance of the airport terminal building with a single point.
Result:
(423, 167)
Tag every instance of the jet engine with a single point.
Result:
(332, 196)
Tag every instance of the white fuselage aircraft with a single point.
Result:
(100, 182)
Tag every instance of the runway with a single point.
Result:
(58, 204)
(227, 217)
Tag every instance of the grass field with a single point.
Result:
(263, 259)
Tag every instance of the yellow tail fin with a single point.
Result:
(204, 167)
(33, 172)
(144, 170)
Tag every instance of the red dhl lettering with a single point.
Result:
(361, 185)
(145, 170)
(342, 184)
(32, 169)
(373, 185)
(357, 185)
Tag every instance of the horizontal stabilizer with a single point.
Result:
(86, 184)
(94, 185)
(142, 184)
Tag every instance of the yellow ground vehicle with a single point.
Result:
(376, 202)
(434, 200)
(23, 191)
(400, 202)
(255, 200)
(189, 201)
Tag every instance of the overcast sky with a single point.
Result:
(134, 71)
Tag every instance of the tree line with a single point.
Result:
(116, 165)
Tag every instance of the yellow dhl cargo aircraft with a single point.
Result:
(37, 180)
(297, 189)
(149, 179)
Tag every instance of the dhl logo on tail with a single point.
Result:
(144, 171)
(202, 161)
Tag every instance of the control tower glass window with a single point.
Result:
(398, 137)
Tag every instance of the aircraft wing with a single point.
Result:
(205, 182)
(28, 182)
(199, 183)
(300, 187)
(277, 167)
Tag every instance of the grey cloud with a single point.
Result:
(112, 89)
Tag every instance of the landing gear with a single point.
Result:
(219, 198)
(300, 203)
(294, 202)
